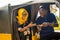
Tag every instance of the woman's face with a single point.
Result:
(24, 14)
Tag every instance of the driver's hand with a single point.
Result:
(45, 24)
(31, 24)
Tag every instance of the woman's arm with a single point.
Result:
(26, 27)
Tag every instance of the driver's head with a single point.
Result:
(43, 10)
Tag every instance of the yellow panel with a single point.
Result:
(34, 38)
(4, 36)
(57, 28)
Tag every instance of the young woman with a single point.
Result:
(23, 24)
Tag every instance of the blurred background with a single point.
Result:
(6, 16)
